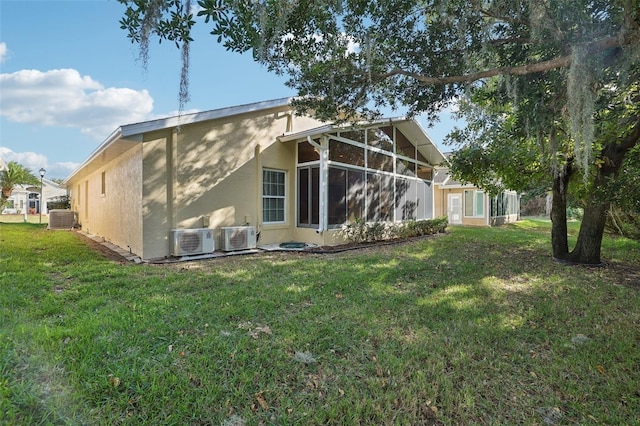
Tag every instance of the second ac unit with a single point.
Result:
(238, 238)
(185, 242)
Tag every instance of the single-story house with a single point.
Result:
(25, 199)
(260, 166)
(465, 204)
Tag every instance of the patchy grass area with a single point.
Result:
(477, 326)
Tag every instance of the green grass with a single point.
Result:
(477, 326)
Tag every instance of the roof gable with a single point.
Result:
(198, 117)
(409, 127)
(127, 136)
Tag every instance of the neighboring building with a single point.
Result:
(291, 177)
(26, 199)
(465, 204)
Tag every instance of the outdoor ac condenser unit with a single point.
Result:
(61, 219)
(238, 238)
(185, 242)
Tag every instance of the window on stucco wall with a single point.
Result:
(473, 203)
(273, 196)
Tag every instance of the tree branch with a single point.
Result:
(560, 62)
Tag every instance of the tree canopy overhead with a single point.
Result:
(357, 55)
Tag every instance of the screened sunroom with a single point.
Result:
(377, 172)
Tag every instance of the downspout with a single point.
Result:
(258, 158)
(321, 195)
(172, 178)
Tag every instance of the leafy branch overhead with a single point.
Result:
(357, 56)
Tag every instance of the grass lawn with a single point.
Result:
(477, 326)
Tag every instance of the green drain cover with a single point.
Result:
(293, 245)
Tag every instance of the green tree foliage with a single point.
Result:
(354, 56)
(15, 174)
(624, 215)
(60, 202)
(554, 61)
(496, 150)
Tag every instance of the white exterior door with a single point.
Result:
(454, 209)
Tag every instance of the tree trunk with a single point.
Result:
(588, 247)
(559, 243)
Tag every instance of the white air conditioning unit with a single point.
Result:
(185, 242)
(238, 238)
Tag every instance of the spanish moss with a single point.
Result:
(581, 106)
(183, 95)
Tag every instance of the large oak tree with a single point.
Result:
(350, 58)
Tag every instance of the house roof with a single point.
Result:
(127, 136)
(443, 179)
(409, 127)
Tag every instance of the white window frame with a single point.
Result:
(476, 194)
(278, 197)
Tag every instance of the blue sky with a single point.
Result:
(70, 77)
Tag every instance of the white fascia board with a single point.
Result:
(327, 128)
(316, 131)
(429, 146)
(457, 186)
(181, 120)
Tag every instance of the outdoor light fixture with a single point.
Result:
(42, 172)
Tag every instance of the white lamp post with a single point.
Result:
(42, 172)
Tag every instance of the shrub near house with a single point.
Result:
(360, 231)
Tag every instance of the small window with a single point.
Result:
(273, 196)
(473, 203)
(103, 183)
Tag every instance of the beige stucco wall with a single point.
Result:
(209, 174)
(116, 214)
(156, 191)
(441, 196)
(439, 202)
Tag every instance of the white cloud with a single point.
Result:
(35, 161)
(31, 160)
(4, 52)
(64, 98)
